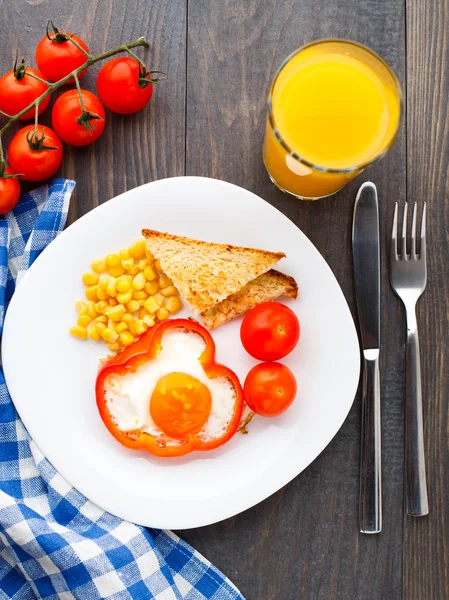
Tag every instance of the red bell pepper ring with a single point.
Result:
(146, 348)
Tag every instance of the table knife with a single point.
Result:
(366, 258)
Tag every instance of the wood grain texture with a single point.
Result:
(302, 543)
(134, 149)
(426, 552)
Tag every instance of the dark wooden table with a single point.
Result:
(208, 119)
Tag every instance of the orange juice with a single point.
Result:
(334, 108)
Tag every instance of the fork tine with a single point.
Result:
(394, 240)
(422, 250)
(404, 233)
(413, 240)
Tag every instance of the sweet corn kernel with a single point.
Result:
(112, 302)
(124, 254)
(165, 281)
(90, 278)
(91, 310)
(109, 335)
(128, 263)
(79, 332)
(139, 282)
(142, 263)
(159, 299)
(103, 280)
(124, 297)
(148, 254)
(110, 288)
(83, 320)
(157, 265)
(91, 293)
(123, 283)
(99, 265)
(81, 307)
(140, 326)
(134, 270)
(142, 313)
(148, 320)
(132, 306)
(121, 327)
(100, 327)
(173, 304)
(116, 271)
(100, 306)
(102, 294)
(151, 305)
(127, 318)
(169, 291)
(139, 295)
(101, 319)
(141, 301)
(162, 314)
(111, 324)
(116, 312)
(137, 249)
(112, 260)
(151, 287)
(149, 273)
(92, 332)
(114, 347)
(126, 338)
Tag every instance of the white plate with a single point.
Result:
(51, 375)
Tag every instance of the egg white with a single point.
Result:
(128, 396)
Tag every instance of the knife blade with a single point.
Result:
(366, 259)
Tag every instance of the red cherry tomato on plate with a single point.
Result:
(18, 89)
(35, 155)
(124, 86)
(270, 331)
(74, 126)
(269, 389)
(57, 55)
(9, 191)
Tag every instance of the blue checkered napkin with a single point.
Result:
(54, 543)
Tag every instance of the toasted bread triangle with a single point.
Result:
(205, 273)
(265, 288)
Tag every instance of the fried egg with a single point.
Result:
(171, 396)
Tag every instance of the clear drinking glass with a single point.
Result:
(334, 107)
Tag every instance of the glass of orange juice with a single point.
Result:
(334, 108)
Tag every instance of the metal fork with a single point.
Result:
(408, 277)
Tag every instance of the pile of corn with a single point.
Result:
(126, 294)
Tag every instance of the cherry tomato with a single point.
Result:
(9, 191)
(269, 389)
(57, 55)
(35, 155)
(74, 126)
(270, 331)
(124, 86)
(18, 89)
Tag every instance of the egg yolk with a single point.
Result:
(180, 404)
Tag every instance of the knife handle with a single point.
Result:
(370, 500)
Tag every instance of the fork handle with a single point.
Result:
(370, 499)
(415, 467)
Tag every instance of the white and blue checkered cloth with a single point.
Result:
(54, 543)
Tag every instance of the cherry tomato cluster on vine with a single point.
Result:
(78, 117)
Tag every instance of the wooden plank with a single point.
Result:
(426, 554)
(302, 543)
(134, 149)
